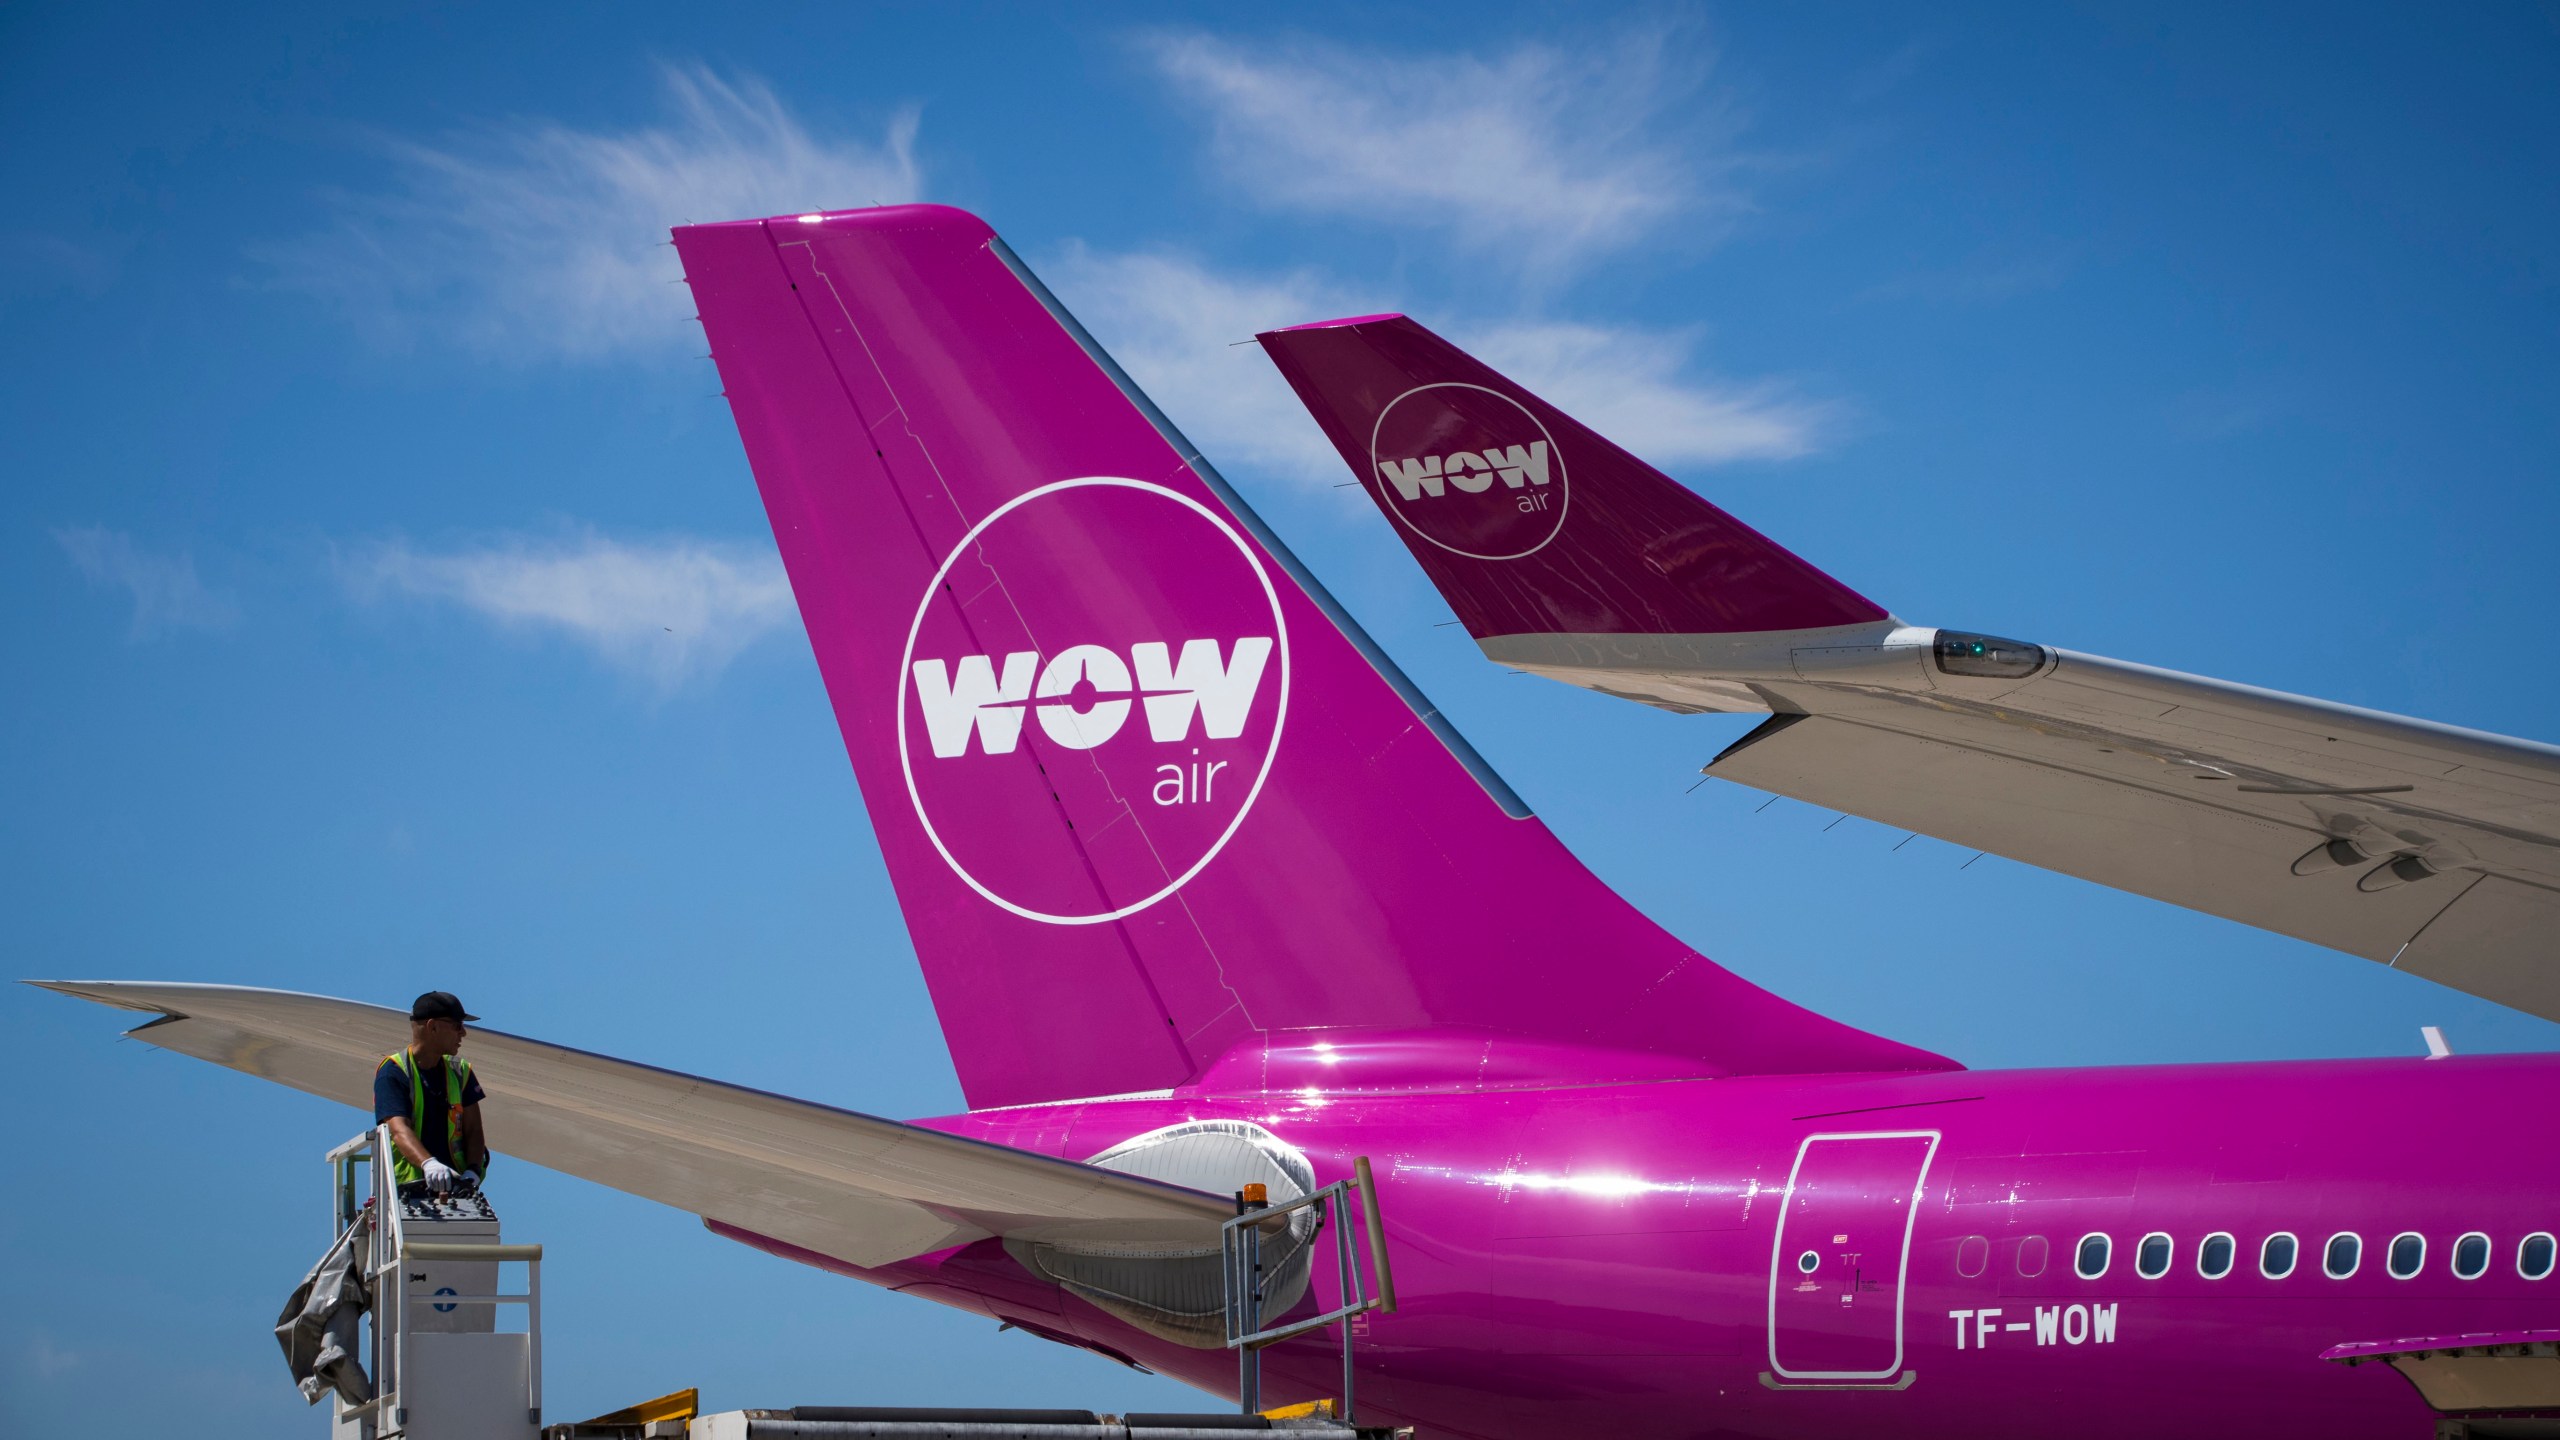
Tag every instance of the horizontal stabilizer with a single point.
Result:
(854, 1187)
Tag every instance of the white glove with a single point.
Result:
(440, 1176)
(470, 1179)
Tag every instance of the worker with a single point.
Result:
(431, 1100)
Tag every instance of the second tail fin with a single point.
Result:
(1530, 522)
(1144, 791)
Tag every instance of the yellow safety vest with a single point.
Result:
(457, 1078)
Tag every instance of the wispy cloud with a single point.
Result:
(166, 592)
(669, 611)
(1546, 155)
(1535, 161)
(1173, 322)
(51, 1361)
(542, 240)
(1638, 388)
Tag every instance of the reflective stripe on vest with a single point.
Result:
(457, 1077)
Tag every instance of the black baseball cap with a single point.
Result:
(438, 1005)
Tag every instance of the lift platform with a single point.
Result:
(439, 1366)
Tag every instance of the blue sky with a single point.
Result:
(392, 607)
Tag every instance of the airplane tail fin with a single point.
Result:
(1529, 522)
(1144, 790)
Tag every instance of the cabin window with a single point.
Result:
(2213, 1257)
(2276, 1258)
(2471, 1256)
(2408, 1255)
(1807, 1263)
(2090, 1260)
(2345, 1252)
(2533, 1257)
(1973, 1256)
(2151, 1260)
(2034, 1253)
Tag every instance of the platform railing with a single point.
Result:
(1241, 1243)
(385, 1275)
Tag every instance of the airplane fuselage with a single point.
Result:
(1808, 1256)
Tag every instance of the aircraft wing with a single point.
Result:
(2430, 847)
(852, 1186)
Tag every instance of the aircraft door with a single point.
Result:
(1836, 1272)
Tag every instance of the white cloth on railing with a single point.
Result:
(318, 1328)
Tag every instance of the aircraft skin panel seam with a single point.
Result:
(2175, 796)
(1184, 1059)
(2372, 946)
(2538, 757)
(2278, 785)
(2441, 911)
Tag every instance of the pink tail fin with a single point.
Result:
(1528, 521)
(1144, 791)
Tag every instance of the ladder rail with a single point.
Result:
(391, 1342)
(1240, 1241)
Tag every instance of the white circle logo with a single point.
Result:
(1469, 469)
(1091, 698)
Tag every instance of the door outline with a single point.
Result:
(1902, 1274)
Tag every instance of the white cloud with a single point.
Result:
(167, 594)
(1548, 156)
(1634, 387)
(1172, 322)
(541, 239)
(668, 611)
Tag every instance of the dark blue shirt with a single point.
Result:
(391, 1099)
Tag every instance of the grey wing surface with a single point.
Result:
(2429, 847)
(851, 1186)
(2425, 846)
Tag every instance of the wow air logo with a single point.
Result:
(1091, 697)
(1468, 469)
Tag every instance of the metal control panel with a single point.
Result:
(449, 1220)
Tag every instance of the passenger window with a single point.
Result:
(2533, 1257)
(2277, 1256)
(2213, 1258)
(2471, 1256)
(2345, 1253)
(2408, 1255)
(1973, 1256)
(2090, 1261)
(2034, 1253)
(2151, 1261)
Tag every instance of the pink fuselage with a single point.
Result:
(1599, 1259)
